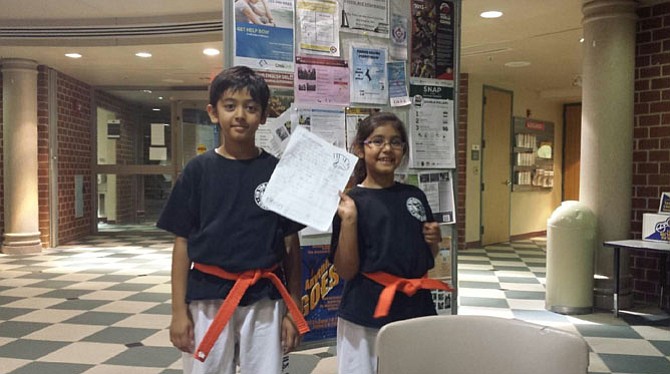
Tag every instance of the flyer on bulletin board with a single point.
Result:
(321, 81)
(264, 35)
(431, 126)
(432, 51)
(368, 75)
(322, 292)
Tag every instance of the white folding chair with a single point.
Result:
(456, 344)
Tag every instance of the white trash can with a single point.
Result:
(571, 241)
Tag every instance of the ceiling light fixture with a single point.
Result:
(211, 51)
(73, 55)
(146, 91)
(160, 97)
(156, 109)
(491, 14)
(143, 54)
(517, 64)
(581, 40)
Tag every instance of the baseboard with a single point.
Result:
(527, 236)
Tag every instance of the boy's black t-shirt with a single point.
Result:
(390, 239)
(216, 205)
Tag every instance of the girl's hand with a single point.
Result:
(290, 337)
(432, 233)
(347, 208)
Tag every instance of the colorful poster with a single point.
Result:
(432, 48)
(398, 95)
(366, 16)
(368, 75)
(322, 293)
(431, 126)
(264, 34)
(319, 25)
(321, 81)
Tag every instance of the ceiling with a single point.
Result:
(544, 33)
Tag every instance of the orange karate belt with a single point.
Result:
(393, 283)
(243, 281)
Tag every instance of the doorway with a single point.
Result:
(137, 163)
(496, 165)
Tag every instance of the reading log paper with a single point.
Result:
(304, 186)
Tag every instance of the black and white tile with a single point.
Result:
(102, 306)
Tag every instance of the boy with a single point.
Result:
(234, 244)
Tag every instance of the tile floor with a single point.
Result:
(102, 305)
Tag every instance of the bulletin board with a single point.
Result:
(329, 64)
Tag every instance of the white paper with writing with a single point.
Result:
(304, 186)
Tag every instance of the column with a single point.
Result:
(19, 107)
(607, 132)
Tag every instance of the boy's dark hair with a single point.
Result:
(367, 127)
(240, 78)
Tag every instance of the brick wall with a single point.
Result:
(43, 153)
(651, 150)
(462, 154)
(75, 137)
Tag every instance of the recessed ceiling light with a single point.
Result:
(581, 40)
(160, 97)
(146, 91)
(73, 55)
(491, 14)
(517, 64)
(143, 54)
(156, 109)
(211, 51)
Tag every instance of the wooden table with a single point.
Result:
(639, 245)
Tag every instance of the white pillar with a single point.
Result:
(19, 107)
(607, 132)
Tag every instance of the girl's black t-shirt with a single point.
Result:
(390, 239)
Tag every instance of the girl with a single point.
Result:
(384, 240)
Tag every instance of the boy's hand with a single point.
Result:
(432, 233)
(290, 337)
(347, 208)
(181, 333)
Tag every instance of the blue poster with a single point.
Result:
(368, 75)
(322, 292)
(264, 34)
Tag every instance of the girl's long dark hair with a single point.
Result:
(367, 127)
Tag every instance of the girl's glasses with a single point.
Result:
(379, 143)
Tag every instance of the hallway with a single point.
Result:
(102, 306)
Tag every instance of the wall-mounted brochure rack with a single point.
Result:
(532, 155)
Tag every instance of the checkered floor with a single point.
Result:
(102, 305)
